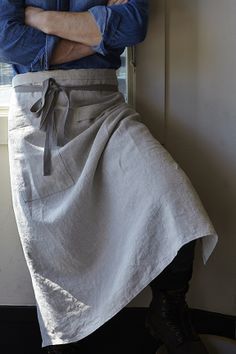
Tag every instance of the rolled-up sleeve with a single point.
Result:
(120, 25)
(21, 44)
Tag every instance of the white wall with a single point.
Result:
(200, 126)
(202, 119)
(193, 113)
(15, 282)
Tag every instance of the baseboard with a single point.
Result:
(124, 333)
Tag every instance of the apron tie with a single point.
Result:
(44, 109)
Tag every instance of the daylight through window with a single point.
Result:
(6, 78)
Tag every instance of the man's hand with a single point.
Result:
(116, 2)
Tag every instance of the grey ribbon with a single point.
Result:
(44, 109)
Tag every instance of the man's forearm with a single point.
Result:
(66, 51)
(75, 26)
(80, 27)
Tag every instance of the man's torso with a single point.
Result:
(112, 60)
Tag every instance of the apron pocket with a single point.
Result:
(35, 184)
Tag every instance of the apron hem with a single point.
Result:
(141, 286)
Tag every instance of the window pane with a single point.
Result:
(122, 74)
(5, 84)
(5, 74)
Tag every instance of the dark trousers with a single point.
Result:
(178, 273)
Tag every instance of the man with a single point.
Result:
(102, 208)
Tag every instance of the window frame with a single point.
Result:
(131, 76)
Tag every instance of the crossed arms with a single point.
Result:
(37, 38)
(78, 31)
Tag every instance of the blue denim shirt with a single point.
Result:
(29, 49)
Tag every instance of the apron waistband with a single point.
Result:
(44, 109)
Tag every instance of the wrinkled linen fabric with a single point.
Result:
(111, 216)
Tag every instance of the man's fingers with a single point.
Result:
(33, 9)
(112, 2)
(117, 2)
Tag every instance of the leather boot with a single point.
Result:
(168, 320)
(61, 349)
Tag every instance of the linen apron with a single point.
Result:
(101, 206)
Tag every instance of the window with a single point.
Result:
(6, 77)
(121, 74)
(125, 75)
(5, 74)
(5, 85)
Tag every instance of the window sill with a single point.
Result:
(3, 125)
